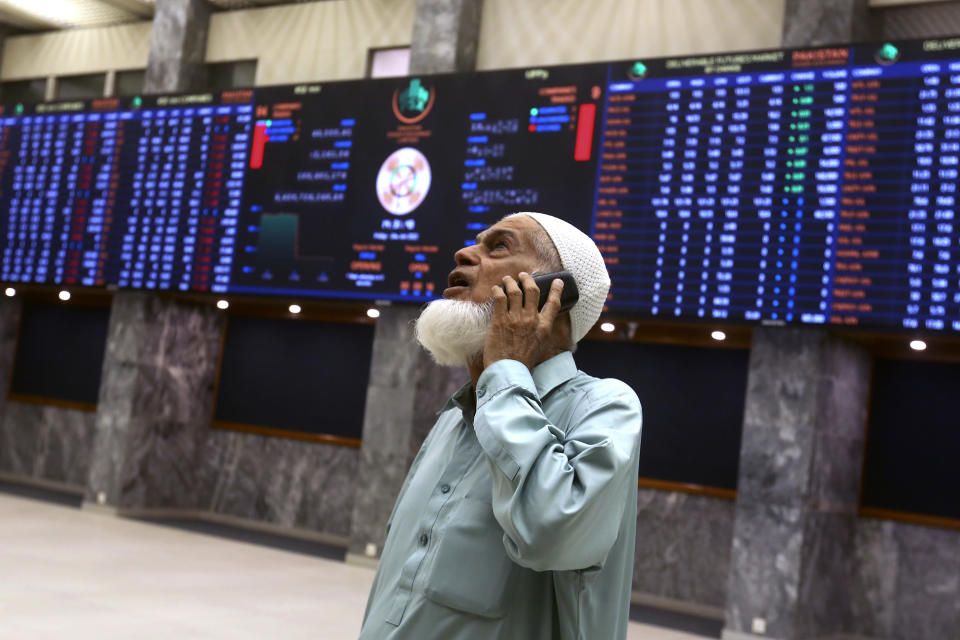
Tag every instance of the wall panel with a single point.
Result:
(520, 34)
(74, 51)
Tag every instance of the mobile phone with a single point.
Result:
(569, 295)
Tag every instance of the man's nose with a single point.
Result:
(466, 256)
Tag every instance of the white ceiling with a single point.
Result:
(46, 15)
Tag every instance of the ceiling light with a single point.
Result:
(10, 291)
(70, 13)
(222, 304)
(918, 345)
(373, 313)
(64, 295)
(294, 308)
(607, 327)
(718, 335)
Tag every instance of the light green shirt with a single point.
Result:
(517, 520)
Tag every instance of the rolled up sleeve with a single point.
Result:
(559, 496)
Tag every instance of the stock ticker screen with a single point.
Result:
(811, 186)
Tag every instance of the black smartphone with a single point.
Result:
(569, 295)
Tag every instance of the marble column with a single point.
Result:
(155, 403)
(12, 447)
(405, 392)
(810, 23)
(406, 388)
(159, 369)
(798, 487)
(178, 45)
(445, 36)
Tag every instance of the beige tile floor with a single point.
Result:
(66, 573)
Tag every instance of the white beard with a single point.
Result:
(454, 331)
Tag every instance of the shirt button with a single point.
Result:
(481, 392)
(423, 540)
(445, 489)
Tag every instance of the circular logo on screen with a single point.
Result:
(403, 181)
(887, 54)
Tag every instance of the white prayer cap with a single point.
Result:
(578, 255)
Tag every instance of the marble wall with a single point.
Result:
(927, 20)
(155, 403)
(289, 483)
(683, 546)
(445, 36)
(906, 583)
(798, 487)
(178, 44)
(44, 442)
(808, 23)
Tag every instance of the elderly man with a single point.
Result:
(518, 516)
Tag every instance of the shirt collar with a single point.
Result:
(465, 400)
(547, 376)
(550, 374)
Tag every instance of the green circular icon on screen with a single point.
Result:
(887, 54)
(637, 71)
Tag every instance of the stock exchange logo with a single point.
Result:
(403, 181)
(412, 103)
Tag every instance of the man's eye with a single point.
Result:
(499, 244)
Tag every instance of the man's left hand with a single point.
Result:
(518, 331)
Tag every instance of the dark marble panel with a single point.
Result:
(65, 443)
(434, 388)
(178, 42)
(159, 470)
(155, 402)
(928, 582)
(846, 375)
(117, 386)
(445, 36)
(873, 594)
(683, 546)
(926, 20)
(836, 473)
(19, 439)
(783, 379)
(385, 471)
(798, 486)
(387, 418)
(129, 318)
(10, 310)
(46, 442)
(817, 22)
(826, 575)
(765, 567)
(774, 463)
(392, 364)
(286, 482)
(906, 581)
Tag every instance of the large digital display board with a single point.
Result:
(810, 186)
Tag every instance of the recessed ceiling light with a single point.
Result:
(294, 308)
(918, 345)
(64, 295)
(718, 335)
(222, 304)
(607, 327)
(10, 291)
(373, 312)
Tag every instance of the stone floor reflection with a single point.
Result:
(73, 573)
